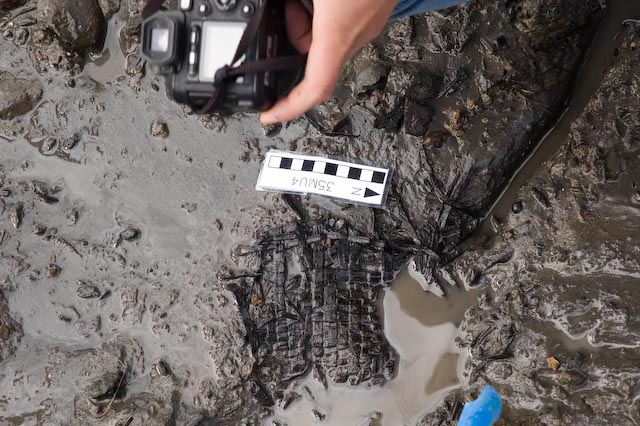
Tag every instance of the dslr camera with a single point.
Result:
(192, 44)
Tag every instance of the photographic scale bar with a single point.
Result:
(295, 173)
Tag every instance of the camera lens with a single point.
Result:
(225, 4)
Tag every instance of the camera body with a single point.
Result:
(190, 44)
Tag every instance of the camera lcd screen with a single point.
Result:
(219, 43)
(159, 40)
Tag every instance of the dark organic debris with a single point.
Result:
(64, 243)
(325, 314)
(109, 386)
(10, 4)
(318, 416)
(43, 192)
(540, 197)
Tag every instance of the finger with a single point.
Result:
(298, 25)
(325, 60)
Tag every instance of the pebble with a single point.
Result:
(495, 223)
(517, 207)
(271, 130)
(16, 215)
(86, 291)
(38, 229)
(554, 364)
(162, 369)
(289, 399)
(130, 234)
(72, 216)
(53, 270)
(22, 35)
(5, 332)
(69, 143)
(159, 129)
(49, 144)
(318, 416)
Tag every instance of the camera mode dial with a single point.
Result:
(225, 4)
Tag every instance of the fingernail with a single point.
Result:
(264, 118)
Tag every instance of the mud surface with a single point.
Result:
(558, 332)
(144, 281)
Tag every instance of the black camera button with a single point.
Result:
(248, 9)
(204, 9)
(186, 4)
(193, 64)
(225, 5)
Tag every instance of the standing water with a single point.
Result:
(109, 65)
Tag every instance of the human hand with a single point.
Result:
(339, 29)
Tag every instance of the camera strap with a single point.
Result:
(229, 71)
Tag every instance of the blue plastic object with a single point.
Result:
(484, 411)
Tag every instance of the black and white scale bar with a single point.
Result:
(327, 168)
(291, 172)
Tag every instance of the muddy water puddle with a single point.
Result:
(109, 65)
(422, 328)
(596, 62)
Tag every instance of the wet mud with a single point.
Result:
(559, 331)
(144, 281)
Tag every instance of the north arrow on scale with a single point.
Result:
(369, 193)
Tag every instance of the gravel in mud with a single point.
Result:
(119, 210)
